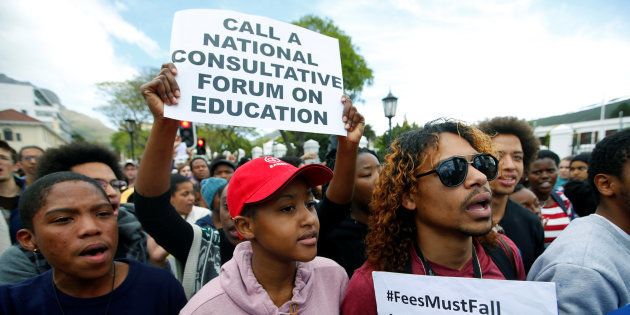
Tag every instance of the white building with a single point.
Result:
(38, 103)
(20, 130)
(578, 132)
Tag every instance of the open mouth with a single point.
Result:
(479, 203)
(93, 250)
(507, 180)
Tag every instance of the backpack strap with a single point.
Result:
(502, 256)
(561, 203)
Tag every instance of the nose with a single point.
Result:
(88, 226)
(474, 178)
(309, 218)
(507, 163)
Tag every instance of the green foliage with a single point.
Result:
(123, 100)
(220, 138)
(356, 72)
(383, 142)
(121, 143)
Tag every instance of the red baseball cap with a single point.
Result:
(260, 178)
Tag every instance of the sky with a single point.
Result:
(468, 60)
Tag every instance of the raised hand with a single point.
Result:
(163, 89)
(353, 120)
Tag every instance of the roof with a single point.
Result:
(14, 115)
(5, 79)
(611, 111)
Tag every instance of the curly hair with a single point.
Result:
(70, 155)
(392, 228)
(517, 127)
(609, 157)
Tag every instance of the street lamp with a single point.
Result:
(389, 107)
(131, 126)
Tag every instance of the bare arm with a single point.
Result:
(154, 173)
(341, 186)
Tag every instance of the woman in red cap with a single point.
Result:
(276, 269)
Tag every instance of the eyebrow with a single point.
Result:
(74, 210)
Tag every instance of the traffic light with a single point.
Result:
(201, 146)
(187, 133)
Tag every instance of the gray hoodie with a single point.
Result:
(590, 264)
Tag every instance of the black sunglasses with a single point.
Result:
(453, 171)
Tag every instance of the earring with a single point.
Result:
(35, 250)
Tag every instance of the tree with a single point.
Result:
(356, 74)
(383, 142)
(123, 99)
(123, 102)
(354, 68)
(220, 138)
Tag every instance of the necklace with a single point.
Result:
(111, 292)
(427, 268)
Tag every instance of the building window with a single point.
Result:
(18, 136)
(586, 137)
(611, 132)
(8, 134)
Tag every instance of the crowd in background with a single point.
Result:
(83, 232)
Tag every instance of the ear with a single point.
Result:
(606, 184)
(245, 227)
(26, 239)
(408, 202)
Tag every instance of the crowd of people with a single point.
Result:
(84, 233)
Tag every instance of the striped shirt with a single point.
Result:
(555, 218)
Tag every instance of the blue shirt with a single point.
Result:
(145, 290)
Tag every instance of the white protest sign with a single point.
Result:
(398, 293)
(246, 70)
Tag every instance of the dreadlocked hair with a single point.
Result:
(392, 228)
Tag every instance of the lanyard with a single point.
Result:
(427, 268)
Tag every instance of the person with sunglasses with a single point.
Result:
(100, 164)
(431, 213)
(516, 146)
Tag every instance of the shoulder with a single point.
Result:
(582, 243)
(328, 268)
(26, 289)
(15, 266)
(149, 274)
(359, 297)
(210, 298)
(361, 281)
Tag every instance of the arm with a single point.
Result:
(339, 193)
(152, 203)
(342, 184)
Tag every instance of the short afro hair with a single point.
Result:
(609, 157)
(517, 127)
(548, 154)
(66, 157)
(34, 197)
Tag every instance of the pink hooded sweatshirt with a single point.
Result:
(318, 289)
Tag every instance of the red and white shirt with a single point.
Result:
(555, 219)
